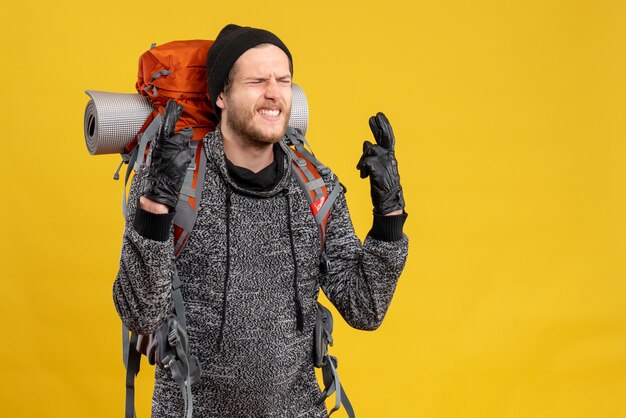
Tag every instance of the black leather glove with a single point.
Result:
(171, 155)
(379, 163)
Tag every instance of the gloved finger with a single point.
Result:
(361, 165)
(182, 138)
(374, 128)
(364, 167)
(172, 112)
(368, 148)
(382, 131)
(373, 150)
(184, 158)
(179, 141)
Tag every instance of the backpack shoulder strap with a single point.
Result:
(310, 173)
(189, 199)
(134, 156)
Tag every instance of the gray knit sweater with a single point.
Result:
(237, 272)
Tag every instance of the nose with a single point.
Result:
(271, 89)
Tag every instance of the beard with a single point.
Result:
(241, 122)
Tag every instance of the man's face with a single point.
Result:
(257, 105)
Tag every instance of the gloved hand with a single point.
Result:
(171, 155)
(379, 163)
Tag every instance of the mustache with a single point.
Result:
(271, 105)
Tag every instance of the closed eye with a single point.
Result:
(284, 80)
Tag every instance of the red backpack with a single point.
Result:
(177, 70)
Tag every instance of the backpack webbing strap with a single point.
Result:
(183, 379)
(320, 202)
(177, 297)
(184, 370)
(132, 362)
(323, 338)
(180, 365)
(307, 174)
(188, 189)
(189, 199)
(333, 384)
(323, 212)
(137, 154)
(295, 138)
(125, 345)
(147, 137)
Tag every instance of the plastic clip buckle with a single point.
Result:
(324, 263)
(172, 338)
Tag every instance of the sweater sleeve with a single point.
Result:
(142, 289)
(362, 277)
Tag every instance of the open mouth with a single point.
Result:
(272, 113)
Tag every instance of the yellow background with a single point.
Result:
(510, 128)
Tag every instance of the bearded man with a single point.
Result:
(250, 271)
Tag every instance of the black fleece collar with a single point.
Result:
(214, 149)
(263, 181)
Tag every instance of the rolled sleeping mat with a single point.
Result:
(299, 109)
(112, 120)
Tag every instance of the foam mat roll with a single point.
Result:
(299, 109)
(113, 119)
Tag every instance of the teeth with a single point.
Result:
(268, 112)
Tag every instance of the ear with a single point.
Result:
(220, 101)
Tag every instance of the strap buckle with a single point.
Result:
(324, 263)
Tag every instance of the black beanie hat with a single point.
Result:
(230, 44)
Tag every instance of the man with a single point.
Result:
(250, 270)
